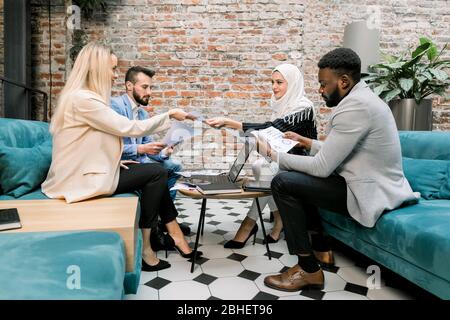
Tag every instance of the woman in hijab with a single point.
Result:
(292, 111)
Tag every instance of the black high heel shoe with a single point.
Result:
(184, 255)
(269, 239)
(162, 264)
(232, 244)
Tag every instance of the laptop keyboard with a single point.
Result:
(219, 179)
(212, 179)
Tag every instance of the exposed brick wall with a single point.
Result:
(215, 56)
(42, 78)
(401, 23)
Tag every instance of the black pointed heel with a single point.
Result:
(232, 244)
(162, 264)
(189, 255)
(269, 239)
(184, 255)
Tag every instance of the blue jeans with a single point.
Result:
(172, 166)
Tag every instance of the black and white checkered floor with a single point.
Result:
(239, 274)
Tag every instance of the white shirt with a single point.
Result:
(134, 108)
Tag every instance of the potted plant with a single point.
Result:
(80, 38)
(405, 82)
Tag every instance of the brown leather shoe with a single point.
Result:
(325, 258)
(295, 279)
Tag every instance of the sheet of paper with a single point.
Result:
(183, 186)
(178, 132)
(188, 174)
(198, 115)
(275, 138)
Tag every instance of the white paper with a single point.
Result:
(198, 115)
(275, 139)
(178, 133)
(188, 174)
(183, 186)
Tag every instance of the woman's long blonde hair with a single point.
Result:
(91, 71)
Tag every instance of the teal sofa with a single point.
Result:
(54, 265)
(413, 241)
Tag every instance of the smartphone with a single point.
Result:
(176, 143)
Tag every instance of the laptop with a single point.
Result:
(210, 184)
(258, 186)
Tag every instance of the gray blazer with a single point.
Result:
(363, 146)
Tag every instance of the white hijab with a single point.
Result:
(294, 99)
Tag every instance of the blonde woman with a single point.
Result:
(87, 148)
(292, 111)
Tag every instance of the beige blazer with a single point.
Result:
(87, 150)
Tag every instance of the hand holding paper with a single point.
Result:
(303, 142)
(195, 115)
(151, 148)
(263, 147)
(216, 122)
(274, 137)
(178, 114)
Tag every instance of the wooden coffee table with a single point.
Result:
(104, 214)
(194, 194)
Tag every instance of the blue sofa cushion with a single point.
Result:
(429, 177)
(33, 195)
(24, 169)
(23, 133)
(62, 265)
(425, 144)
(418, 234)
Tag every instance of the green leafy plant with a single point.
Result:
(415, 74)
(90, 7)
(79, 40)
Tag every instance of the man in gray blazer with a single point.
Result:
(356, 171)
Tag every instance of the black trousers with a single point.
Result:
(151, 180)
(298, 197)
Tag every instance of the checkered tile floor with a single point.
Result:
(231, 274)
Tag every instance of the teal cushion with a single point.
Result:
(24, 169)
(23, 133)
(131, 282)
(62, 265)
(418, 234)
(433, 145)
(429, 177)
(33, 195)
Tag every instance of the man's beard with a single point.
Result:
(141, 100)
(333, 99)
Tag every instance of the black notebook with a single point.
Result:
(219, 188)
(9, 219)
(258, 186)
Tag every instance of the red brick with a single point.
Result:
(280, 56)
(237, 95)
(170, 63)
(156, 102)
(168, 94)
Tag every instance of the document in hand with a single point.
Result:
(275, 139)
(178, 133)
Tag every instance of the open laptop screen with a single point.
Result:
(240, 161)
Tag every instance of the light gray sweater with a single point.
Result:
(362, 146)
